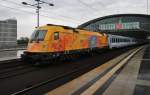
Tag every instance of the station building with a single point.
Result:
(134, 25)
(8, 33)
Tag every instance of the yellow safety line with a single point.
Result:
(91, 90)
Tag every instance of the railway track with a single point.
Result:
(54, 79)
(14, 68)
(10, 63)
(30, 78)
(16, 72)
(17, 67)
(51, 80)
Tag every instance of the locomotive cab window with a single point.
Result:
(56, 35)
(38, 35)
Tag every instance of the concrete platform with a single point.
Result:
(7, 58)
(12, 49)
(10, 55)
(127, 81)
(124, 75)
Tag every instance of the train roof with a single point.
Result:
(65, 27)
(77, 30)
(118, 36)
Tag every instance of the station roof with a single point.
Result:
(112, 16)
(138, 33)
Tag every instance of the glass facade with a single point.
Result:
(8, 33)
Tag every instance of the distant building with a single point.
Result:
(8, 33)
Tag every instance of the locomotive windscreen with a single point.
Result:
(38, 35)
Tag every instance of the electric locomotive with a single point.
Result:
(53, 41)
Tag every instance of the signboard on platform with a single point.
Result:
(118, 26)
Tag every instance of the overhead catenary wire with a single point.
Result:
(24, 11)
(91, 8)
(83, 3)
(43, 11)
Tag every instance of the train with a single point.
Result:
(50, 41)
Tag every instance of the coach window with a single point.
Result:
(113, 40)
(56, 35)
(116, 40)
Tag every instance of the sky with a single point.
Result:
(66, 12)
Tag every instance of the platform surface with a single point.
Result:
(9, 55)
(132, 78)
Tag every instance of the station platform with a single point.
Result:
(12, 49)
(128, 74)
(7, 58)
(10, 55)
